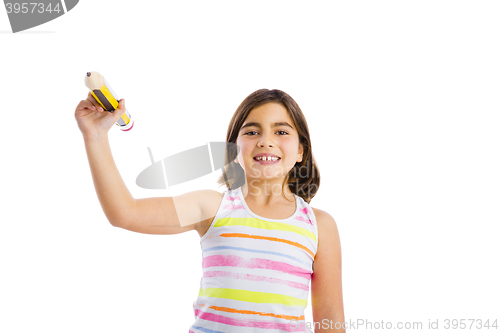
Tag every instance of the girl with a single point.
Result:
(261, 240)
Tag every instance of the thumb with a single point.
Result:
(120, 110)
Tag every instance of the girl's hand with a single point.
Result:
(93, 120)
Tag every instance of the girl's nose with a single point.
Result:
(265, 141)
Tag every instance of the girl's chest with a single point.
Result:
(278, 212)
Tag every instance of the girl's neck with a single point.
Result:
(266, 192)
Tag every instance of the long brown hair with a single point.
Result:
(233, 176)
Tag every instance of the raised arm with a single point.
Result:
(94, 123)
(162, 215)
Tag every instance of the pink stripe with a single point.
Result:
(230, 198)
(235, 261)
(303, 219)
(233, 206)
(295, 327)
(255, 278)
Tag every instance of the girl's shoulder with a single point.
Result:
(323, 219)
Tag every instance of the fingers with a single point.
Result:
(84, 104)
(91, 104)
(94, 103)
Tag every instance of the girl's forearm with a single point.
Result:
(114, 197)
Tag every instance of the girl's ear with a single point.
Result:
(301, 153)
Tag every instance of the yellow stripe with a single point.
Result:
(256, 223)
(251, 296)
(125, 118)
(112, 100)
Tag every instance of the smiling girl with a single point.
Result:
(262, 243)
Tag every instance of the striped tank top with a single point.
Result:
(256, 271)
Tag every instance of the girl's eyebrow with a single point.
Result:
(282, 123)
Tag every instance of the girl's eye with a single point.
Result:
(256, 132)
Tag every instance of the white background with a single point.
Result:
(402, 102)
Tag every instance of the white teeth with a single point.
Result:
(267, 158)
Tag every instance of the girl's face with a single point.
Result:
(268, 129)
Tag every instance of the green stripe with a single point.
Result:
(256, 223)
(251, 296)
